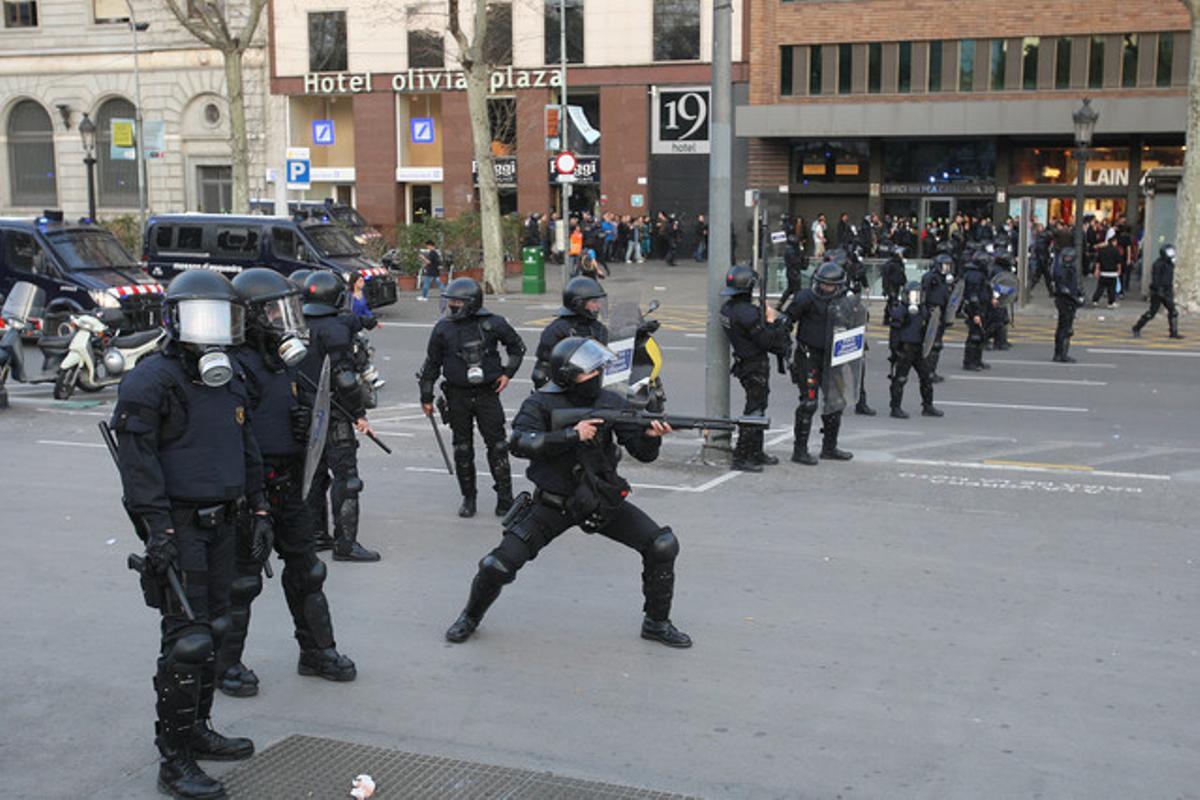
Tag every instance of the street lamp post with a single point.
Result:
(87, 133)
(1084, 119)
(140, 152)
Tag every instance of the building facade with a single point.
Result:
(60, 59)
(375, 93)
(923, 108)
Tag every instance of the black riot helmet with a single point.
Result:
(577, 293)
(572, 357)
(1067, 256)
(202, 308)
(739, 280)
(299, 276)
(468, 292)
(981, 260)
(943, 264)
(324, 294)
(274, 316)
(829, 279)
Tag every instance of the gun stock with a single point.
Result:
(569, 417)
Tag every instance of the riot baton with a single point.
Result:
(437, 434)
(341, 410)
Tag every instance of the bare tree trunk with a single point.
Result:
(1187, 220)
(240, 145)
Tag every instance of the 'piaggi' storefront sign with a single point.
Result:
(430, 80)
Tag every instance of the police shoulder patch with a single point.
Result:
(239, 414)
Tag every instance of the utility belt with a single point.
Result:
(205, 515)
(471, 388)
(558, 502)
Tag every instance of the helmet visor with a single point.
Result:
(591, 356)
(914, 297)
(1169, 252)
(285, 315)
(210, 322)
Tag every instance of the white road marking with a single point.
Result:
(1147, 352)
(963, 481)
(1001, 379)
(678, 347)
(1014, 406)
(1029, 468)
(61, 443)
(1049, 363)
(695, 335)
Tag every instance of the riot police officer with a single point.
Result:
(1067, 298)
(909, 319)
(1039, 262)
(936, 283)
(752, 340)
(998, 319)
(274, 348)
(464, 346)
(809, 311)
(574, 470)
(894, 277)
(793, 264)
(1162, 292)
(582, 300)
(857, 282)
(977, 303)
(187, 458)
(331, 334)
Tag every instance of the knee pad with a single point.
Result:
(245, 588)
(464, 453)
(313, 578)
(664, 548)
(900, 380)
(221, 626)
(194, 647)
(495, 570)
(807, 405)
(498, 449)
(353, 485)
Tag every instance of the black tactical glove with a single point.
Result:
(161, 551)
(262, 537)
(301, 421)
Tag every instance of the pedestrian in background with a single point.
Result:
(431, 269)
(818, 236)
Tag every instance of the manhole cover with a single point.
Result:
(308, 766)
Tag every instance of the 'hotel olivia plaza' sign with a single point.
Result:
(430, 80)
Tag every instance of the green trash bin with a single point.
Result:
(533, 271)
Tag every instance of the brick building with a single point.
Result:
(386, 75)
(924, 108)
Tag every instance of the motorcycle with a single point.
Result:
(639, 358)
(26, 358)
(96, 358)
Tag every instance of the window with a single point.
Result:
(498, 46)
(904, 76)
(162, 237)
(23, 253)
(999, 61)
(191, 237)
(239, 241)
(284, 243)
(1062, 63)
(1129, 60)
(926, 161)
(215, 186)
(20, 14)
(966, 65)
(1166, 54)
(1029, 62)
(874, 67)
(31, 156)
(836, 161)
(676, 30)
(785, 71)
(327, 41)
(814, 69)
(110, 11)
(502, 114)
(1096, 63)
(426, 49)
(117, 179)
(574, 28)
(935, 66)
(845, 68)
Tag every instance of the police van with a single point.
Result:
(81, 267)
(327, 210)
(229, 244)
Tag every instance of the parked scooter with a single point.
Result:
(640, 361)
(96, 358)
(27, 359)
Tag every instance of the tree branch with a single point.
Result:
(256, 8)
(190, 26)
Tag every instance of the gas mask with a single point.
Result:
(292, 350)
(472, 353)
(215, 367)
(1170, 254)
(914, 301)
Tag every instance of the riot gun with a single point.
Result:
(633, 418)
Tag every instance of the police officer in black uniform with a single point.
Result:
(188, 459)
(793, 265)
(1040, 263)
(464, 346)
(998, 320)
(977, 304)
(909, 319)
(894, 277)
(752, 341)
(809, 311)
(1067, 299)
(331, 333)
(274, 347)
(936, 284)
(582, 299)
(1162, 292)
(577, 484)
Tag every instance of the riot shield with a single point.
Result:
(955, 302)
(1004, 288)
(847, 345)
(931, 332)
(317, 429)
(635, 372)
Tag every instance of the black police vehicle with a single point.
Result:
(81, 267)
(229, 244)
(326, 210)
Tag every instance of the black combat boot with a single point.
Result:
(492, 576)
(345, 542)
(1173, 326)
(238, 680)
(501, 477)
(897, 392)
(327, 663)
(800, 454)
(743, 454)
(208, 745)
(184, 696)
(666, 633)
(927, 407)
(830, 425)
(464, 470)
(467, 509)
(765, 458)
(1136, 330)
(462, 628)
(861, 408)
(180, 776)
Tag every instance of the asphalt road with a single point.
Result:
(999, 604)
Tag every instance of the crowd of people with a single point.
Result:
(615, 238)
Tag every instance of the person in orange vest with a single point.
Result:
(576, 247)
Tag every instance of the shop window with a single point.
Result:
(574, 29)
(1129, 60)
(676, 30)
(31, 170)
(904, 71)
(845, 68)
(999, 60)
(426, 49)
(1106, 166)
(874, 68)
(1096, 63)
(215, 186)
(502, 115)
(20, 14)
(1062, 62)
(117, 178)
(498, 45)
(1166, 55)
(966, 65)
(104, 11)
(833, 161)
(1029, 62)
(814, 69)
(327, 41)
(935, 66)
(785, 71)
(934, 162)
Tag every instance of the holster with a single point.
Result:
(153, 589)
(443, 406)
